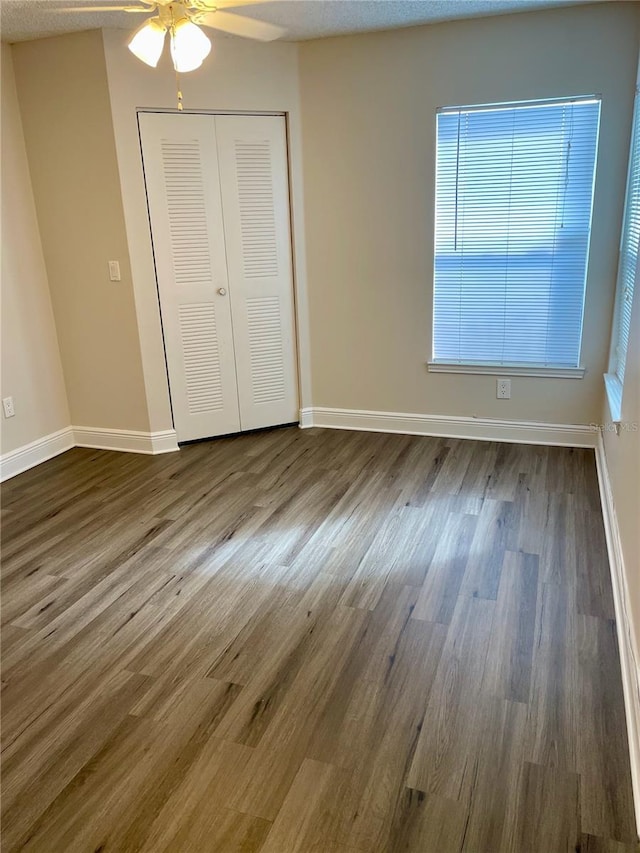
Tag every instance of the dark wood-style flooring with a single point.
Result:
(312, 641)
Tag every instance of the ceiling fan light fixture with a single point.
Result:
(148, 41)
(189, 46)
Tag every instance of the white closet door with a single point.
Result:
(252, 152)
(183, 190)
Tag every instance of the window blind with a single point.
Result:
(628, 252)
(514, 193)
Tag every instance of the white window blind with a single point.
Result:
(514, 192)
(628, 253)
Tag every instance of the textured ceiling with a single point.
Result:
(303, 19)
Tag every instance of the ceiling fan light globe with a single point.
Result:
(189, 46)
(148, 41)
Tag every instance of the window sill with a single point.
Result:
(613, 388)
(506, 370)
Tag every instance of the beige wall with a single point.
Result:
(64, 101)
(622, 453)
(368, 132)
(239, 76)
(623, 462)
(368, 112)
(31, 369)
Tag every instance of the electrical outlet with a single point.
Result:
(503, 389)
(7, 405)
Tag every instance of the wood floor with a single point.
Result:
(312, 641)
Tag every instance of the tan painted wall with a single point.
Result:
(239, 76)
(623, 462)
(368, 109)
(31, 368)
(368, 113)
(64, 101)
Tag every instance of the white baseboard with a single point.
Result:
(29, 455)
(482, 429)
(629, 658)
(126, 441)
(305, 418)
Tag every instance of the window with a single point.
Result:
(614, 380)
(514, 192)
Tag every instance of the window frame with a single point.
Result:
(516, 369)
(614, 387)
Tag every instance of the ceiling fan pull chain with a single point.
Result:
(173, 35)
(179, 91)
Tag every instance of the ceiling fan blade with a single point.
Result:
(66, 9)
(238, 25)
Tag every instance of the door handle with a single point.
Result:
(222, 291)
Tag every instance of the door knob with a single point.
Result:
(222, 291)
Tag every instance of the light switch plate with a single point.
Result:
(114, 270)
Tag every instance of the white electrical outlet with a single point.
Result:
(7, 405)
(503, 389)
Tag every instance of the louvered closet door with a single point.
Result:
(183, 190)
(252, 153)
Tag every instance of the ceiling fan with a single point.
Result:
(182, 19)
